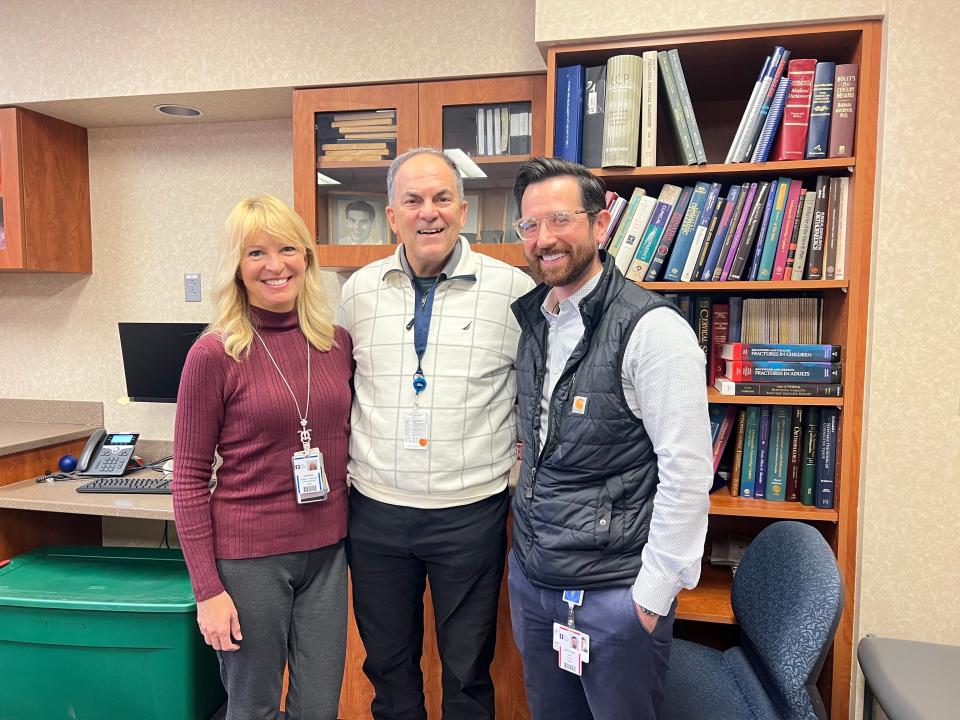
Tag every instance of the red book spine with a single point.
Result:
(791, 140)
(719, 327)
(786, 230)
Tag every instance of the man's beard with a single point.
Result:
(578, 263)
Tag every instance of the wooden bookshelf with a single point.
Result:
(720, 69)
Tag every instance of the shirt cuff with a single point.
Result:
(654, 592)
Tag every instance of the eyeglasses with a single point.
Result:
(558, 223)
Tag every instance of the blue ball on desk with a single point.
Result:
(68, 463)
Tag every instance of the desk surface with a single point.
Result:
(62, 497)
(912, 680)
(20, 436)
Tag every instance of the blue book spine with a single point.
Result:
(722, 231)
(821, 105)
(669, 235)
(827, 458)
(783, 352)
(780, 371)
(779, 454)
(773, 230)
(763, 454)
(772, 123)
(758, 245)
(651, 236)
(568, 142)
(688, 228)
(748, 466)
(734, 333)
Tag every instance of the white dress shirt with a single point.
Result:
(664, 383)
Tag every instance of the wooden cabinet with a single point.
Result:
(44, 194)
(442, 114)
(720, 70)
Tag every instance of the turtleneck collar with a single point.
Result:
(274, 321)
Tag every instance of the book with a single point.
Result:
(379, 115)
(688, 228)
(818, 232)
(752, 132)
(568, 133)
(594, 94)
(791, 140)
(727, 420)
(832, 230)
(844, 112)
(662, 252)
(708, 238)
(719, 324)
(734, 332)
(751, 439)
(726, 386)
(771, 241)
(648, 111)
(703, 224)
(783, 352)
(621, 123)
(803, 235)
(751, 232)
(843, 199)
(772, 123)
(779, 453)
(624, 220)
(808, 474)
(735, 236)
(687, 104)
(701, 326)
(737, 465)
(763, 454)
(744, 119)
(821, 106)
(662, 212)
(518, 114)
(827, 458)
(780, 371)
(787, 230)
(631, 238)
(686, 155)
(750, 271)
(723, 227)
(795, 455)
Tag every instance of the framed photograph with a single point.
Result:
(472, 225)
(357, 219)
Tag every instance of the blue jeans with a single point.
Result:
(624, 679)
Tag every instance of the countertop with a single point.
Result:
(17, 436)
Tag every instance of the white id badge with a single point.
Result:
(415, 425)
(568, 638)
(309, 477)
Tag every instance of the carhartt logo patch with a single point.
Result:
(579, 405)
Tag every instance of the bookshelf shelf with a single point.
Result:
(746, 286)
(710, 600)
(714, 396)
(724, 170)
(723, 504)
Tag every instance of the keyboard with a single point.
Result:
(128, 485)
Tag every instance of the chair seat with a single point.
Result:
(706, 684)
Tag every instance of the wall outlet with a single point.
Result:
(191, 287)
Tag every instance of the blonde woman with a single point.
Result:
(268, 388)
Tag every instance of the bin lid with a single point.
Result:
(98, 578)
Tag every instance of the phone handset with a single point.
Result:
(107, 453)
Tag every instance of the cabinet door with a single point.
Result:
(11, 250)
(343, 141)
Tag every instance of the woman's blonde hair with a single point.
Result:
(251, 217)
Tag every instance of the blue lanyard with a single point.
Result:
(422, 312)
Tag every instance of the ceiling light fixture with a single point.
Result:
(180, 111)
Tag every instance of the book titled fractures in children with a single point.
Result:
(784, 352)
(777, 371)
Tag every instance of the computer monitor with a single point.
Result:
(153, 357)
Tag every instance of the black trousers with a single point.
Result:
(392, 551)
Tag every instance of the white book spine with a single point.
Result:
(632, 237)
(803, 238)
(839, 272)
(648, 111)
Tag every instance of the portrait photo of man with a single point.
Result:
(357, 219)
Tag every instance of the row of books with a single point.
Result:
(782, 453)
(357, 136)
(503, 129)
(606, 115)
(799, 109)
(776, 369)
(765, 230)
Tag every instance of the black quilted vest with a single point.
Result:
(583, 504)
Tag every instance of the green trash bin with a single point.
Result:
(98, 633)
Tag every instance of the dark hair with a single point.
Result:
(592, 189)
(360, 206)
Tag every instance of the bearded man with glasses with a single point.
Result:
(610, 512)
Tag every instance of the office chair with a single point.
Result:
(787, 596)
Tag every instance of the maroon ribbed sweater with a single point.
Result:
(244, 410)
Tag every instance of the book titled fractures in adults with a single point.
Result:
(777, 371)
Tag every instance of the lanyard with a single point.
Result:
(304, 432)
(422, 312)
